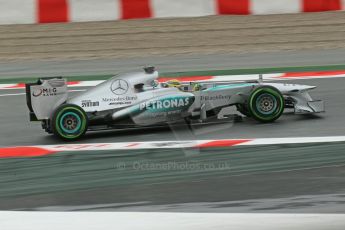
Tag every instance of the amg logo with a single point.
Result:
(165, 104)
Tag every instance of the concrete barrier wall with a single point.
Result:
(46, 11)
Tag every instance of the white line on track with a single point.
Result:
(11, 94)
(189, 144)
(229, 78)
(168, 220)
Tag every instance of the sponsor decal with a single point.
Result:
(119, 87)
(120, 103)
(215, 97)
(174, 113)
(165, 104)
(89, 103)
(37, 93)
(114, 99)
(45, 92)
(125, 100)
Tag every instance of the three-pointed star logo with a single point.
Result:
(119, 87)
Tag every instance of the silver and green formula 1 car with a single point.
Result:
(139, 100)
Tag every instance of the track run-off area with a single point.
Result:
(300, 170)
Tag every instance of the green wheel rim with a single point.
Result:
(266, 104)
(74, 119)
(76, 132)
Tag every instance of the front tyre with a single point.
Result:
(266, 104)
(69, 122)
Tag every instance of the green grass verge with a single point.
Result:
(193, 73)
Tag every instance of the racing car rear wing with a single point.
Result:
(44, 96)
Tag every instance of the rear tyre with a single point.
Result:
(69, 122)
(266, 104)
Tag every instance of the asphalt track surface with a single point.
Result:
(288, 178)
(172, 63)
(305, 178)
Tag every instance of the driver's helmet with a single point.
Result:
(174, 83)
(196, 87)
